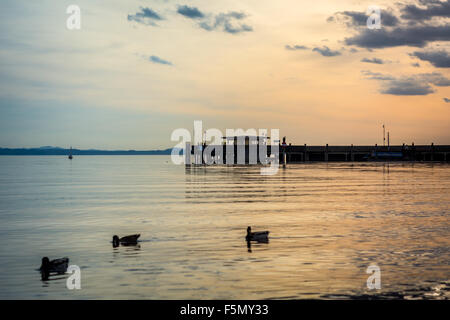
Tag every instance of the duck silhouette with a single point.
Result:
(127, 240)
(259, 236)
(48, 266)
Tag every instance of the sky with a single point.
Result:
(137, 70)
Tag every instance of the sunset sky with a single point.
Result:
(137, 70)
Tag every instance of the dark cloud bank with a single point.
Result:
(420, 24)
(413, 25)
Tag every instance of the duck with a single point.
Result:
(58, 266)
(127, 240)
(260, 236)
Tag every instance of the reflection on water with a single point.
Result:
(327, 223)
(249, 244)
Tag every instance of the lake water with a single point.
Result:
(327, 223)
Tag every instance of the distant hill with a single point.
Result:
(56, 151)
(49, 147)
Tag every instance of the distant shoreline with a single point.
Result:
(54, 151)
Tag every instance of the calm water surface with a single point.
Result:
(328, 223)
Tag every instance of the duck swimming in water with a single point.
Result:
(260, 236)
(127, 240)
(58, 266)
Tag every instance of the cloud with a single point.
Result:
(326, 52)
(415, 85)
(418, 36)
(432, 9)
(435, 78)
(446, 100)
(145, 16)
(358, 19)
(190, 12)
(439, 58)
(417, 65)
(376, 75)
(353, 18)
(296, 47)
(373, 60)
(158, 60)
(407, 87)
(228, 22)
(414, 25)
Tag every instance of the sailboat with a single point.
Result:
(70, 153)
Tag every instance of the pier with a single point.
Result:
(350, 153)
(305, 153)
